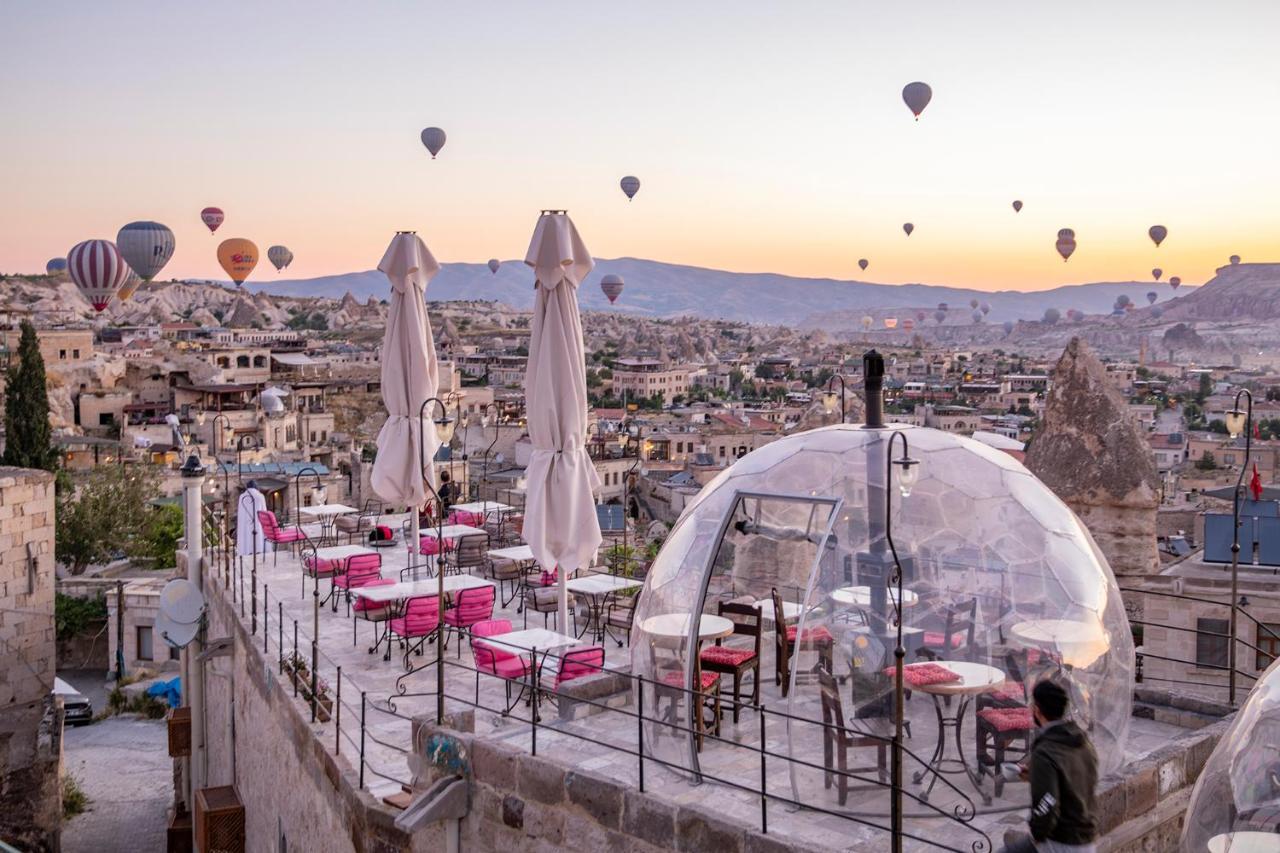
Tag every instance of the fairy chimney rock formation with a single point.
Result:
(1095, 457)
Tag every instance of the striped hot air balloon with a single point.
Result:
(146, 247)
(98, 269)
(280, 257)
(55, 266)
(612, 286)
(212, 217)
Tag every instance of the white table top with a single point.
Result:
(860, 596)
(414, 589)
(598, 584)
(517, 554)
(530, 639)
(790, 609)
(343, 552)
(974, 678)
(483, 507)
(451, 531)
(321, 510)
(675, 626)
(1249, 841)
(1078, 643)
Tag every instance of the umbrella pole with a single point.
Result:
(563, 613)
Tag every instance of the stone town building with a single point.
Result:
(57, 346)
(30, 716)
(642, 378)
(1096, 458)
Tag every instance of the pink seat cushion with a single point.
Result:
(470, 519)
(934, 638)
(725, 656)
(1007, 719)
(1010, 691)
(321, 568)
(430, 546)
(369, 608)
(810, 635)
(286, 534)
(924, 674)
(676, 679)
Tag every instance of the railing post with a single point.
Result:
(362, 707)
(293, 661)
(640, 727)
(253, 603)
(266, 617)
(280, 628)
(533, 716)
(764, 777)
(337, 717)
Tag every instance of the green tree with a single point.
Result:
(1207, 462)
(1205, 389)
(107, 515)
(28, 436)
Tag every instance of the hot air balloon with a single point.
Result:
(891, 322)
(212, 217)
(908, 227)
(238, 257)
(1157, 312)
(98, 269)
(863, 263)
(942, 306)
(973, 303)
(1017, 206)
(1123, 300)
(939, 315)
(1008, 326)
(1156, 273)
(976, 316)
(146, 247)
(920, 315)
(1235, 259)
(280, 257)
(1073, 315)
(909, 324)
(1051, 316)
(433, 138)
(1157, 233)
(1152, 296)
(494, 263)
(917, 96)
(985, 308)
(55, 266)
(630, 185)
(866, 323)
(1066, 243)
(1174, 282)
(612, 286)
(131, 284)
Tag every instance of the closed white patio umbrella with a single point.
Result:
(409, 378)
(560, 522)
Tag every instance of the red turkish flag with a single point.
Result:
(1255, 484)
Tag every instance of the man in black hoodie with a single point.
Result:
(1063, 769)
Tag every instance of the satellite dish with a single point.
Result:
(499, 458)
(176, 634)
(182, 602)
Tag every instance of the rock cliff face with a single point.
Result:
(1241, 292)
(1096, 458)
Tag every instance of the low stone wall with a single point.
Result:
(533, 803)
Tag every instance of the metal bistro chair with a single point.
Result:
(736, 660)
(788, 640)
(838, 739)
(472, 552)
(955, 640)
(360, 523)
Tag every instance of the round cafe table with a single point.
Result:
(1076, 643)
(1245, 842)
(668, 629)
(860, 596)
(975, 679)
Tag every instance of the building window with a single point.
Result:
(105, 419)
(62, 355)
(722, 451)
(242, 361)
(1268, 643)
(1211, 642)
(75, 353)
(144, 643)
(259, 361)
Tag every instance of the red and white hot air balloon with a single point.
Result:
(212, 217)
(99, 270)
(612, 286)
(1175, 282)
(1066, 243)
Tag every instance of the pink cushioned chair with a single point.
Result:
(420, 621)
(580, 662)
(470, 607)
(372, 611)
(277, 535)
(360, 570)
(494, 659)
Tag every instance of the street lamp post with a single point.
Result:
(497, 428)
(629, 431)
(1238, 420)
(829, 396)
(444, 432)
(908, 473)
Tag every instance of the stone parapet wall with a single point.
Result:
(30, 719)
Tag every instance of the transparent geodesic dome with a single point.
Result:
(1236, 801)
(987, 552)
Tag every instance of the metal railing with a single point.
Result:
(320, 682)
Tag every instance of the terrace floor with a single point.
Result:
(604, 740)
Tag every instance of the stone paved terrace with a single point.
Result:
(568, 737)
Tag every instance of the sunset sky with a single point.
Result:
(768, 136)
